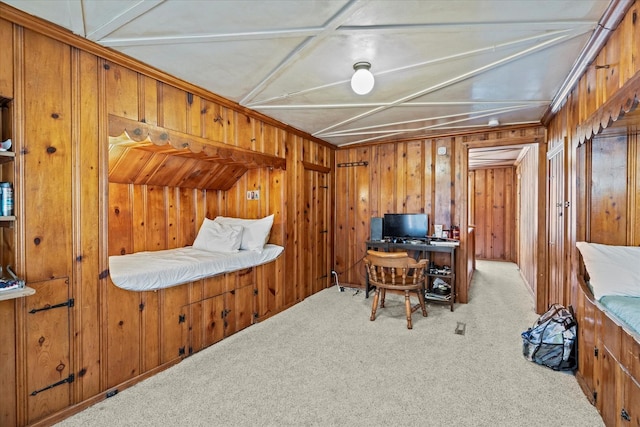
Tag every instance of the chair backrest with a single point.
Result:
(394, 269)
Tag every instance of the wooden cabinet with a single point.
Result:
(607, 400)
(229, 304)
(609, 363)
(213, 310)
(586, 346)
(241, 301)
(630, 405)
(48, 355)
(146, 330)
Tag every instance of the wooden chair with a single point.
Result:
(396, 271)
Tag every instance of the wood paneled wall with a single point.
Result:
(409, 176)
(527, 212)
(493, 196)
(61, 91)
(387, 178)
(609, 190)
(608, 86)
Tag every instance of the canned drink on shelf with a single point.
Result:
(6, 199)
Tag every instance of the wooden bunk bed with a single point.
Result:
(169, 298)
(609, 358)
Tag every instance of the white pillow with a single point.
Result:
(216, 237)
(613, 270)
(255, 232)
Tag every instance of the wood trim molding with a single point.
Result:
(314, 167)
(624, 101)
(484, 136)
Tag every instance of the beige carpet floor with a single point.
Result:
(323, 363)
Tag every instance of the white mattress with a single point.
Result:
(152, 270)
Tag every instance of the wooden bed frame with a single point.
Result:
(608, 360)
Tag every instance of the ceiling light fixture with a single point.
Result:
(362, 80)
(493, 123)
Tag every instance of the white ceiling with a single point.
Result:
(439, 66)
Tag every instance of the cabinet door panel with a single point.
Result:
(174, 311)
(606, 387)
(586, 341)
(244, 307)
(631, 403)
(123, 335)
(48, 356)
(8, 360)
(150, 327)
(213, 309)
(195, 333)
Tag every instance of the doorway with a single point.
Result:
(520, 199)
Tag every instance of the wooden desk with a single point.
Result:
(422, 250)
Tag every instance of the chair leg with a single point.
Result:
(382, 297)
(374, 305)
(407, 304)
(422, 304)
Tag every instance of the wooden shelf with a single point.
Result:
(7, 221)
(145, 154)
(7, 156)
(17, 293)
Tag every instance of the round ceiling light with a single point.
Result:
(362, 80)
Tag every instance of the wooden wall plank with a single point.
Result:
(499, 199)
(386, 168)
(634, 187)
(245, 137)
(8, 414)
(494, 214)
(47, 145)
(87, 240)
(173, 215)
(122, 87)
(214, 125)
(148, 100)
(362, 216)
(527, 171)
(400, 184)
(157, 232)
(174, 104)
(609, 195)
(187, 204)
(6, 57)
(480, 199)
(444, 178)
(340, 262)
(414, 178)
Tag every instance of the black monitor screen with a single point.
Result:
(405, 225)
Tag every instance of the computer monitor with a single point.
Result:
(405, 225)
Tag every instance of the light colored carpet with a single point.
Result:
(323, 363)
